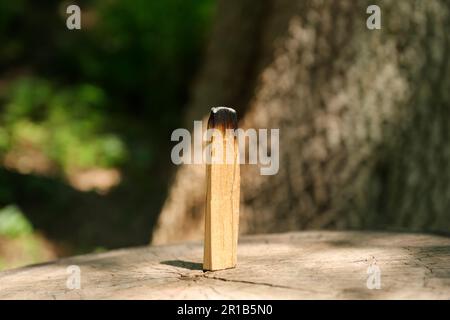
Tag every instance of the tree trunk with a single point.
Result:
(363, 116)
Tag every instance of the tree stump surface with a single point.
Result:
(297, 265)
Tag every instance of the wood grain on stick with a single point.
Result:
(222, 191)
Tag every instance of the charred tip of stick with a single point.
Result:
(222, 118)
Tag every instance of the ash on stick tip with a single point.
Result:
(222, 118)
(217, 109)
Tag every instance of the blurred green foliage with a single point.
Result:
(13, 223)
(19, 244)
(108, 95)
(65, 124)
(122, 79)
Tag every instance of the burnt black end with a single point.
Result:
(222, 118)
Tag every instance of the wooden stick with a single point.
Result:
(222, 193)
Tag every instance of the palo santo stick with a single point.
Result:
(222, 192)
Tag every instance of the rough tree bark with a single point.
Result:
(363, 116)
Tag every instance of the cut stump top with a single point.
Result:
(297, 265)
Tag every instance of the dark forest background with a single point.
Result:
(86, 117)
